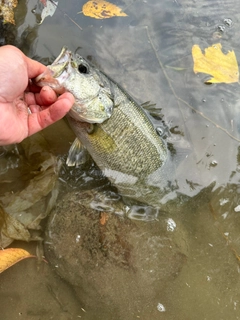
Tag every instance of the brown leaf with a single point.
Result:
(104, 218)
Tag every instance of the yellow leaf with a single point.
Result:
(10, 256)
(223, 67)
(6, 10)
(99, 9)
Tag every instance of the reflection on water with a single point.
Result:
(184, 265)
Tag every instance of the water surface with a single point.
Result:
(184, 265)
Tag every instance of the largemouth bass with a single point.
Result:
(114, 129)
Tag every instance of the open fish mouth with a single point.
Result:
(65, 55)
(57, 73)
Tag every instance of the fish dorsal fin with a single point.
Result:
(148, 105)
(77, 154)
(152, 109)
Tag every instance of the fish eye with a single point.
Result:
(82, 68)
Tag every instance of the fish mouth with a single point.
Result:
(57, 72)
(64, 56)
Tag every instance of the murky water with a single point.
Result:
(184, 265)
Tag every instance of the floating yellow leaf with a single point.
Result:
(10, 256)
(223, 67)
(99, 9)
(6, 10)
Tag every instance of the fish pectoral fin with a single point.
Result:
(77, 154)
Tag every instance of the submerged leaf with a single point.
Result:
(103, 218)
(223, 67)
(10, 256)
(22, 210)
(49, 8)
(6, 10)
(99, 9)
(11, 229)
(37, 188)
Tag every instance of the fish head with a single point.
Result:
(72, 73)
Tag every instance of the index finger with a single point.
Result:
(40, 120)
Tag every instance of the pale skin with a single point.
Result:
(23, 110)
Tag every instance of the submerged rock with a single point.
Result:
(114, 263)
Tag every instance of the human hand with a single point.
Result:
(23, 110)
